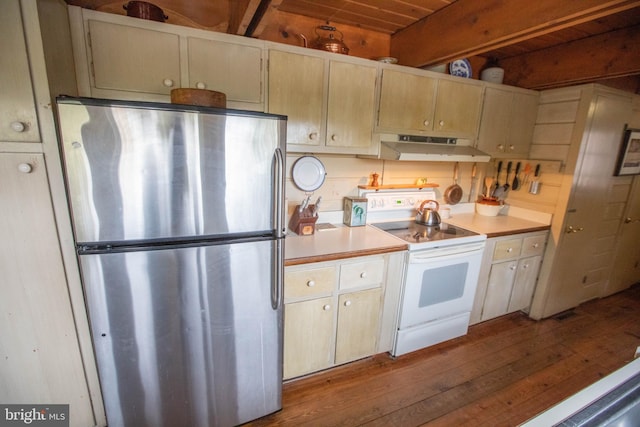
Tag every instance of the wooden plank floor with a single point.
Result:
(501, 373)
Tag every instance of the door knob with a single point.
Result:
(570, 229)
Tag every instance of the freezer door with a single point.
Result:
(186, 336)
(138, 171)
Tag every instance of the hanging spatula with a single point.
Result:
(496, 184)
(516, 182)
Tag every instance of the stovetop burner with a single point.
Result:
(419, 235)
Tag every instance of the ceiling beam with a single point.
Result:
(471, 27)
(604, 56)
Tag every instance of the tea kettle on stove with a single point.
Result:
(428, 216)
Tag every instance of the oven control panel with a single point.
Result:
(394, 201)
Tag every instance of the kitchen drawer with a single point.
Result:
(533, 245)
(309, 282)
(359, 274)
(507, 249)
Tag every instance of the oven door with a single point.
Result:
(440, 283)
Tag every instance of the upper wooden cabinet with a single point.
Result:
(330, 104)
(507, 123)
(226, 67)
(128, 58)
(417, 103)
(18, 120)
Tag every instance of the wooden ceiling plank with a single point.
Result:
(603, 56)
(240, 14)
(486, 25)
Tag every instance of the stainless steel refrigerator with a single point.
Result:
(178, 215)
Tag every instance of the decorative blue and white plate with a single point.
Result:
(460, 68)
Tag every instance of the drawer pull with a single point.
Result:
(168, 82)
(363, 274)
(311, 283)
(326, 307)
(535, 245)
(513, 267)
(525, 266)
(347, 303)
(509, 250)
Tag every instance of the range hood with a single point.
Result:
(428, 148)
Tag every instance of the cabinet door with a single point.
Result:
(41, 359)
(494, 126)
(406, 102)
(233, 69)
(18, 120)
(296, 89)
(350, 106)
(358, 324)
(524, 111)
(308, 336)
(457, 108)
(496, 301)
(134, 59)
(525, 283)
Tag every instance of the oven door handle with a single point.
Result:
(421, 257)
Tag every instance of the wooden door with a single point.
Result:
(234, 69)
(358, 324)
(350, 106)
(18, 120)
(308, 336)
(296, 89)
(134, 59)
(407, 102)
(582, 267)
(626, 270)
(41, 359)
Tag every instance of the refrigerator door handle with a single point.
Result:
(277, 287)
(278, 185)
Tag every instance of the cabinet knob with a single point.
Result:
(167, 82)
(536, 245)
(441, 123)
(334, 137)
(326, 307)
(512, 147)
(347, 303)
(509, 250)
(525, 266)
(513, 267)
(311, 283)
(313, 136)
(201, 85)
(25, 168)
(18, 126)
(363, 274)
(427, 123)
(500, 147)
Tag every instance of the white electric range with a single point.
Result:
(441, 271)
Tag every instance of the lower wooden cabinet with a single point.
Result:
(339, 311)
(508, 275)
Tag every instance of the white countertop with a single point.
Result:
(339, 242)
(516, 220)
